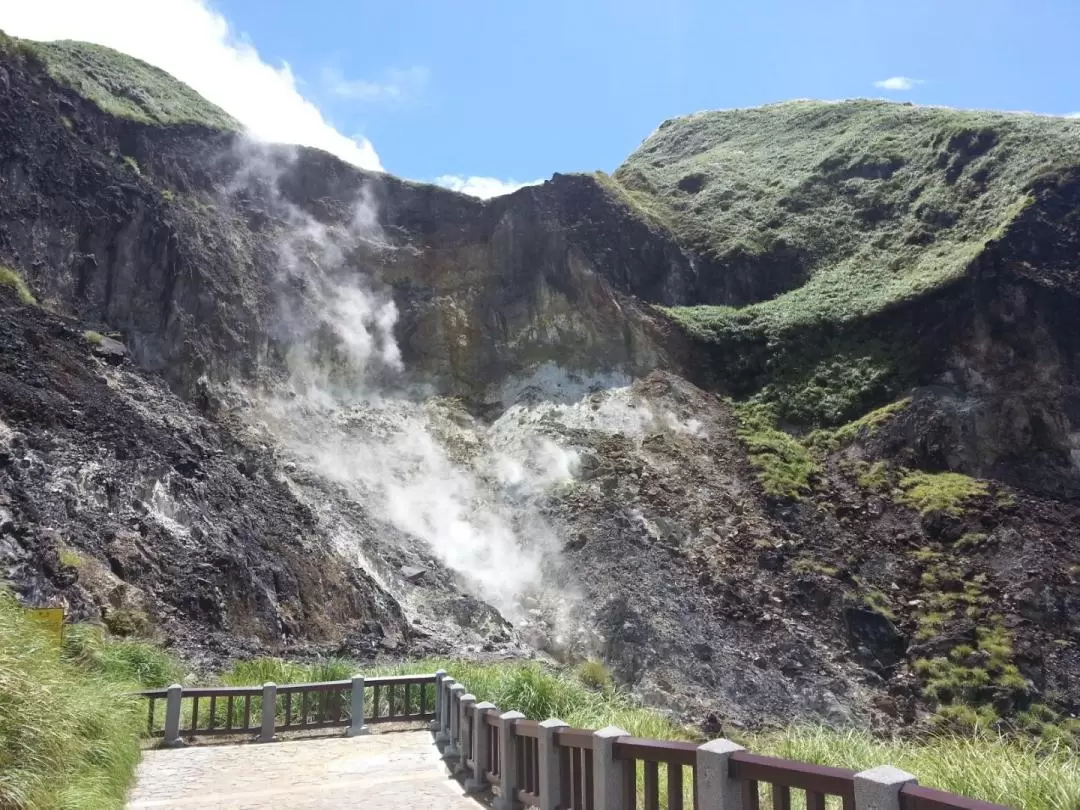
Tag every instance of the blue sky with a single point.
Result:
(522, 89)
(516, 90)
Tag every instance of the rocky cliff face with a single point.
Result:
(269, 401)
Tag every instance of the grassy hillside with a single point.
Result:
(874, 201)
(126, 87)
(69, 733)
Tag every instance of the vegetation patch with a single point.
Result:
(784, 465)
(69, 731)
(9, 278)
(126, 87)
(808, 565)
(881, 202)
(939, 492)
(865, 426)
(93, 338)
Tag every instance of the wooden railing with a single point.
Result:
(553, 767)
(239, 710)
(543, 764)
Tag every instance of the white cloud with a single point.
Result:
(398, 85)
(1073, 115)
(482, 187)
(898, 83)
(195, 44)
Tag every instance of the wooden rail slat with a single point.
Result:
(674, 787)
(815, 800)
(812, 778)
(914, 797)
(680, 753)
(652, 786)
(751, 794)
(781, 797)
(574, 738)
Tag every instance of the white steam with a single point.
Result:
(345, 416)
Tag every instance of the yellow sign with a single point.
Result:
(51, 620)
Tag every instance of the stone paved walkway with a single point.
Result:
(388, 770)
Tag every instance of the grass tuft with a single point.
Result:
(69, 732)
(9, 278)
(939, 492)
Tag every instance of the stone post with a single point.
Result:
(439, 675)
(453, 705)
(507, 761)
(357, 727)
(269, 712)
(608, 781)
(172, 717)
(465, 712)
(716, 790)
(480, 748)
(551, 796)
(442, 736)
(879, 788)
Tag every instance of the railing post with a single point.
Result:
(269, 712)
(608, 782)
(453, 705)
(442, 736)
(879, 788)
(439, 675)
(550, 778)
(507, 761)
(357, 727)
(716, 790)
(480, 748)
(172, 717)
(465, 707)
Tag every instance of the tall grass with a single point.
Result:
(69, 734)
(1013, 772)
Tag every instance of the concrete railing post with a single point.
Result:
(442, 736)
(716, 790)
(172, 717)
(269, 712)
(481, 751)
(453, 705)
(465, 713)
(879, 788)
(608, 781)
(551, 796)
(357, 727)
(439, 675)
(507, 761)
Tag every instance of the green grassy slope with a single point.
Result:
(69, 731)
(880, 201)
(126, 87)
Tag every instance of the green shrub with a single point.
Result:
(69, 736)
(944, 492)
(126, 621)
(92, 337)
(783, 463)
(9, 278)
(595, 675)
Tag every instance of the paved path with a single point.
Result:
(399, 770)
